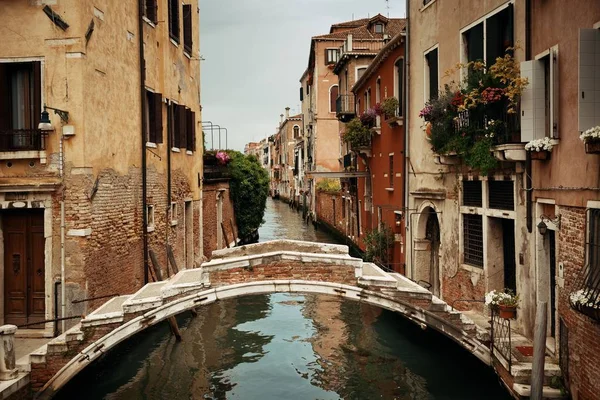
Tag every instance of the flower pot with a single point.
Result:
(592, 147)
(428, 129)
(540, 155)
(507, 312)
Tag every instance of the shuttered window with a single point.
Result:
(187, 29)
(333, 95)
(180, 133)
(154, 124)
(190, 130)
(174, 20)
(589, 76)
(473, 239)
(151, 10)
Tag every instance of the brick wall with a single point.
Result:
(464, 285)
(209, 215)
(327, 212)
(583, 332)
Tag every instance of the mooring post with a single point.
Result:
(8, 368)
(539, 351)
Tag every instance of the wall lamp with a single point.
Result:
(543, 227)
(45, 124)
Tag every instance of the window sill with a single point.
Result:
(146, 20)
(189, 153)
(389, 189)
(427, 5)
(471, 268)
(173, 223)
(24, 155)
(175, 150)
(151, 145)
(185, 53)
(151, 228)
(174, 42)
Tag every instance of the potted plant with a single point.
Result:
(357, 134)
(591, 139)
(540, 149)
(505, 302)
(368, 118)
(389, 108)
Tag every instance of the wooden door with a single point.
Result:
(24, 283)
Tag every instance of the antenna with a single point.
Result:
(387, 5)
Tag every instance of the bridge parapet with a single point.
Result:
(281, 245)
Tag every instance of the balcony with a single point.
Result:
(345, 107)
(21, 144)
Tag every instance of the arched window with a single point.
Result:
(333, 95)
(296, 131)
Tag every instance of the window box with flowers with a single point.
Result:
(391, 110)
(358, 136)
(505, 303)
(591, 140)
(480, 114)
(540, 149)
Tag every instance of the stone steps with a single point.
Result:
(521, 372)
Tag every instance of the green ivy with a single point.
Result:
(378, 243)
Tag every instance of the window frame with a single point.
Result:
(331, 60)
(400, 80)
(188, 31)
(427, 72)
(333, 101)
(151, 17)
(174, 26)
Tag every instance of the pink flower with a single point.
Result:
(222, 158)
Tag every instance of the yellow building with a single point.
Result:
(114, 175)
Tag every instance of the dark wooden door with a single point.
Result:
(510, 264)
(24, 283)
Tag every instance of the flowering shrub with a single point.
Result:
(544, 144)
(222, 158)
(585, 298)
(390, 107)
(591, 135)
(368, 117)
(491, 95)
(496, 298)
(378, 109)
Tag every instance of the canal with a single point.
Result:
(286, 346)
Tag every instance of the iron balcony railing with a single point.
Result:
(361, 46)
(22, 140)
(482, 116)
(345, 107)
(216, 173)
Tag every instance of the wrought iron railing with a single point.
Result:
(22, 140)
(586, 297)
(501, 343)
(216, 172)
(508, 128)
(345, 106)
(361, 46)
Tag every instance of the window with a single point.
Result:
(593, 249)
(378, 28)
(177, 126)
(331, 56)
(539, 102)
(154, 125)
(173, 213)
(391, 174)
(472, 194)
(378, 91)
(187, 29)
(333, 95)
(473, 239)
(589, 76)
(150, 217)
(20, 106)
(399, 89)
(151, 10)
(301, 94)
(431, 75)
(174, 20)
(190, 130)
(307, 88)
(360, 72)
(501, 195)
(296, 131)
(490, 38)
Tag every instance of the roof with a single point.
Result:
(349, 24)
(394, 27)
(381, 56)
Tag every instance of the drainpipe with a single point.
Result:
(169, 195)
(528, 169)
(143, 137)
(407, 224)
(63, 305)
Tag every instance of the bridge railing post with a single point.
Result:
(8, 369)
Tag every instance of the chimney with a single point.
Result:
(287, 112)
(281, 120)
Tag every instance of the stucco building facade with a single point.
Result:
(119, 174)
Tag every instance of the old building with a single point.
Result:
(98, 155)
(380, 194)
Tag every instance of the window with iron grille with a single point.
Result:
(150, 10)
(472, 194)
(174, 20)
(501, 195)
(187, 29)
(593, 253)
(473, 239)
(391, 174)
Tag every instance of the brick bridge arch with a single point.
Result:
(271, 267)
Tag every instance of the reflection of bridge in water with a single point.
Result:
(271, 267)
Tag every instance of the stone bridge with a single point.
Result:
(271, 267)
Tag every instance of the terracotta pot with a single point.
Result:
(507, 312)
(540, 155)
(428, 129)
(592, 147)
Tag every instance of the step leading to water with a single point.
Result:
(146, 298)
(185, 281)
(110, 312)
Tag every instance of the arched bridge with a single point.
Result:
(271, 267)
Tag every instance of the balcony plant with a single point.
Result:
(389, 107)
(505, 302)
(378, 243)
(479, 114)
(540, 149)
(369, 117)
(357, 134)
(591, 139)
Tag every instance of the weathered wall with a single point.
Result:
(329, 210)
(210, 226)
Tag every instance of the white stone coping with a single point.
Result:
(375, 276)
(183, 282)
(109, 312)
(8, 388)
(284, 245)
(149, 296)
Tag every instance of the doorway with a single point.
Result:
(508, 247)
(432, 234)
(552, 258)
(189, 235)
(24, 267)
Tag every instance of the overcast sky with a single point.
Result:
(255, 52)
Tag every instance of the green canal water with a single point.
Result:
(288, 346)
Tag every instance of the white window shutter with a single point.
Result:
(533, 101)
(589, 78)
(554, 93)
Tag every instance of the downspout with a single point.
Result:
(143, 138)
(169, 196)
(63, 296)
(406, 179)
(528, 169)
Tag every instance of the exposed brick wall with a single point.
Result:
(209, 216)
(326, 211)
(464, 285)
(584, 333)
(285, 270)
